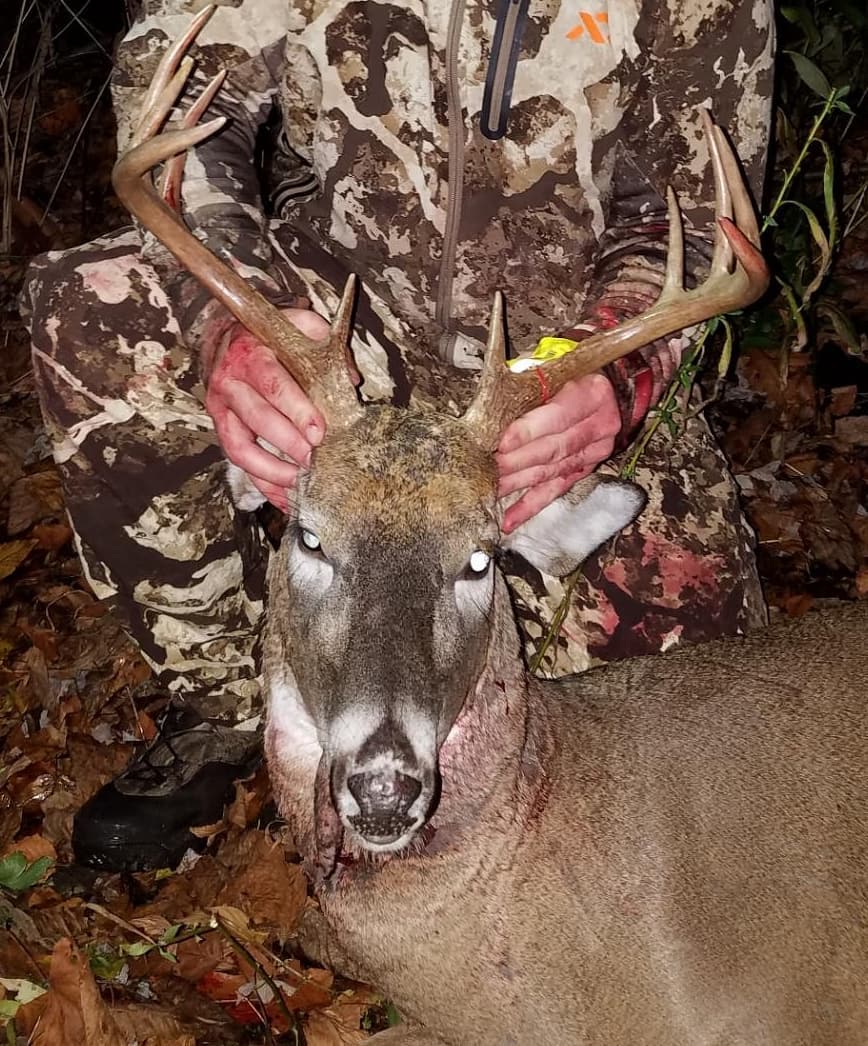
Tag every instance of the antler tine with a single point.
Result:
(737, 277)
(173, 170)
(319, 367)
(169, 79)
(721, 259)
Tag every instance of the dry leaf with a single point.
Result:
(46, 640)
(313, 992)
(52, 536)
(183, 894)
(842, 400)
(237, 924)
(38, 682)
(33, 847)
(13, 554)
(74, 1012)
(266, 886)
(32, 499)
(64, 115)
(28, 1014)
(198, 956)
(853, 430)
(150, 1025)
(797, 606)
(330, 1028)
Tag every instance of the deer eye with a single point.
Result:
(309, 540)
(478, 563)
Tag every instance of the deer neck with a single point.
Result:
(491, 764)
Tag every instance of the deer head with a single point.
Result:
(384, 597)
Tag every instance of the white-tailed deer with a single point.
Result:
(670, 851)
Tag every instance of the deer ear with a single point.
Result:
(568, 530)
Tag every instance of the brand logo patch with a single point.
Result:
(590, 23)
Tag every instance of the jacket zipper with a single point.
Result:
(505, 47)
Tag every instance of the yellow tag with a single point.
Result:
(546, 349)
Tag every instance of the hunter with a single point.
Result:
(441, 150)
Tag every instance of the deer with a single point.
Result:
(667, 851)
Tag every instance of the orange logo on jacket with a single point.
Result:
(590, 24)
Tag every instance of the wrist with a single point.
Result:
(216, 329)
(630, 377)
(633, 384)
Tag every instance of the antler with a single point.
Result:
(738, 276)
(319, 367)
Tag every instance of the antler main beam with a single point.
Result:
(737, 277)
(319, 367)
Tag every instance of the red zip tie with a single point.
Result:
(607, 317)
(545, 391)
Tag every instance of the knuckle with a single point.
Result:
(217, 382)
(539, 475)
(563, 447)
(218, 412)
(234, 449)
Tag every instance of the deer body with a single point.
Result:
(667, 851)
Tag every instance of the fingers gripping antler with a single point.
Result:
(738, 276)
(319, 367)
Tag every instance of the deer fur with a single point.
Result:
(670, 851)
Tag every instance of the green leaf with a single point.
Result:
(829, 193)
(23, 990)
(725, 359)
(844, 330)
(801, 339)
(801, 16)
(392, 1015)
(171, 933)
(810, 74)
(17, 875)
(105, 962)
(137, 948)
(822, 241)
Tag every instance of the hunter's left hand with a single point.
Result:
(553, 446)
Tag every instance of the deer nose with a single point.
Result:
(384, 798)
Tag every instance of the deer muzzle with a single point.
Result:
(385, 800)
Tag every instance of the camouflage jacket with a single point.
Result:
(444, 149)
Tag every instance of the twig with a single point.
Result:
(796, 166)
(261, 971)
(76, 19)
(557, 619)
(106, 914)
(31, 958)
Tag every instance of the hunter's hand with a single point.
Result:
(551, 447)
(250, 394)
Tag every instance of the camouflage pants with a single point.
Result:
(159, 538)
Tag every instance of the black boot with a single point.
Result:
(142, 819)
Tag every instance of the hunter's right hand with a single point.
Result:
(250, 394)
